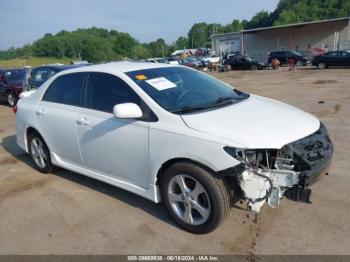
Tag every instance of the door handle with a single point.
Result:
(83, 122)
(40, 112)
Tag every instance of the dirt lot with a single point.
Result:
(65, 213)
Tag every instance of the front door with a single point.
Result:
(110, 146)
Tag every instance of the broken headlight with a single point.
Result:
(255, 158)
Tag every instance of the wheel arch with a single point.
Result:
(30, 130)
(173, 161)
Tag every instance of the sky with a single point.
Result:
(24, 21)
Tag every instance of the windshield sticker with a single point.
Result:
(141, 77)
(161, 83)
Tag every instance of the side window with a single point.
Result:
(66, 90)
(330, 54)
(104, 91)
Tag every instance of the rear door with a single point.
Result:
(56, 114)
(114, 147)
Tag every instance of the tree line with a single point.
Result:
(97, 45)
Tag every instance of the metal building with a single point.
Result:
(309, 38)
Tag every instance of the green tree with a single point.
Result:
(140, 52)
(261, 19)
(181, 43)
(158, 48)
(198, 35)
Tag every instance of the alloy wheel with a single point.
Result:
(321, 65)
(38, 152)
(189, 199)
(11, 99)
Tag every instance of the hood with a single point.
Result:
(256, 123)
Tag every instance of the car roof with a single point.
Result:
(120, 67)
(60, 67)
(17, 68)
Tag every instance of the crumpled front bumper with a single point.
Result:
(305, 161)
(314, 154)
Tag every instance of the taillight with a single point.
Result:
(15, 109)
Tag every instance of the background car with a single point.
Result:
(2, 82)
(14, 82)
(158, 60)
(41, 74)
(337, 58)
(172, 61)
(212, 59)
(193, 62)
(285, 56)
(240, 62)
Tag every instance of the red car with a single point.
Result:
(14, 81)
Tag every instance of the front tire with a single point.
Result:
(40, 153)
(254, 67)
(300, 64)
(197, 200)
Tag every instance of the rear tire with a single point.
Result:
(196, 199)
(322, 66)
(40, 153)
(11, 99)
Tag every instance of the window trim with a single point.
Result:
(147, 113)
(81, 102)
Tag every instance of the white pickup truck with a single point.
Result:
(212, 59)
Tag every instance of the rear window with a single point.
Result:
(66, 90)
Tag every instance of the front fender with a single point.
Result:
(165, 146)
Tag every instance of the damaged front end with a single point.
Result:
(267, 175)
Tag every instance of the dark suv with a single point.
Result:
(14, 81)
(285, 56)
(243, 62)
(2, 82)
(40, 74)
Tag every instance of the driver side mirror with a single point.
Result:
(127, 111)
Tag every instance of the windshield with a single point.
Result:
(249, 59)
(15, 74)
(161, 60)
(297, 53)
(179, 89)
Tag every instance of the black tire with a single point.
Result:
(12, 99)
(48, 168)
(322, 65)
(300, 64)
(218, 194)
(254, 67)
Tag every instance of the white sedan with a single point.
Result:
(173, 134)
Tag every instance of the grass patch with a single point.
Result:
(33, 61)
